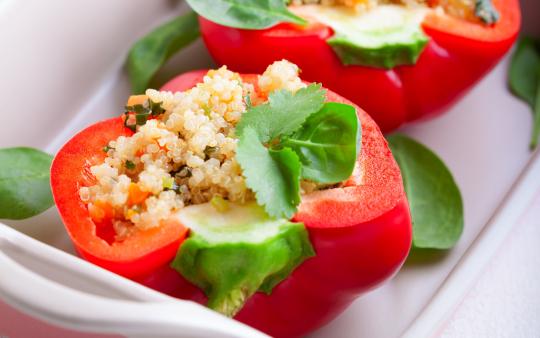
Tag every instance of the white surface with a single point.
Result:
(62, 70)
(517, 204)
(505, 301)
(127, 308)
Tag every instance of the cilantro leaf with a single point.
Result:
(274, 175)
(284, 113)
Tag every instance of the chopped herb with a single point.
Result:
(209, 151)
(141, 112)
(130, 165)
(107, 148)
(156, 108)
(183, 172)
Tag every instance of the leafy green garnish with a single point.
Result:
(284, 112)
(524, 79)
(24, 182)
(246, 14)
(141, 112)
(328, 143)
(293, 136)
(149, 53)
(434, 197)
(273, 175)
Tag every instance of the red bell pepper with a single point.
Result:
(137, 255)
(361, 232)
(458, 54)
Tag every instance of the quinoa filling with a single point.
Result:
(183, 152)
(470, 10)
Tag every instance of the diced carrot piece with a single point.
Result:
(136, 99)
(136, 195)
(101, 210)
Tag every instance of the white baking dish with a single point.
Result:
(61, 69)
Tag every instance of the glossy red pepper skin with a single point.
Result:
(361, 232)
(458, 55)
(138, 255)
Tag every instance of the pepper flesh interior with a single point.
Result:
(231, 254)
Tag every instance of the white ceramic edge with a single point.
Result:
(38, 296)
(472, 264)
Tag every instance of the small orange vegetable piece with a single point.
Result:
(136, 195)
(136, 99)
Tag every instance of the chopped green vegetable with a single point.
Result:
(130, 165)
(168, 183)
(246, 14)
(284, 112)
(24, 182)
(219, 203)
(184, 172)
(107, 148)
(209, 151)
(434, 197)
(274, 175)
(234, 253)
(328, 143)
(141, 112)
(149, 53)
(524, 80)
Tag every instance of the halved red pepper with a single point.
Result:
(361, 232)
(458, 54)
(139, 254)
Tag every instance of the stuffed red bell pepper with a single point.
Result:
(399, 60)
(267, 198)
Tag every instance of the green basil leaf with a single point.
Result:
(273, 175)
(328, 143)
(149, 53)
(24, 182)
(434, 197)
(284, 113)
(524, 79)
(523, 76)
(246, 14)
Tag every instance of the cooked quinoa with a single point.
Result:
(184, 156)
(464, 9)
